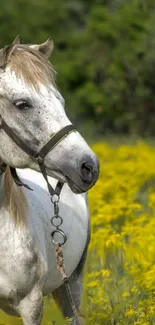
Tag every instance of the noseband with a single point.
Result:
(38, 156)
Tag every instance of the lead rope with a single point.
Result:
(57, 221)
(61, 269)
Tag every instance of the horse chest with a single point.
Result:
(74, 211)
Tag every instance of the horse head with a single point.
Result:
(33, 108)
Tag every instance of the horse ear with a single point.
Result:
(45, 48)
(16, 40)
(6, 50)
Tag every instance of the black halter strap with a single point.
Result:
(54, 140)
(17, 179)
(38, 156)
(51, 144)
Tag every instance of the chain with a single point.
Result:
(56, 222)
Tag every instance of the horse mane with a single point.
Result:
(29, 64)
(15, 199)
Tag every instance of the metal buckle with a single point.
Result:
(39, 159)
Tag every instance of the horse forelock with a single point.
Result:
(29, 64)
(15, 199)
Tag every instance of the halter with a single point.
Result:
(38, 156)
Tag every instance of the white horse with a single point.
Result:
(33, 109)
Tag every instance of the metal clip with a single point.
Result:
(56, 209)
(56, 222)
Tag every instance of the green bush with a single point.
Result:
(104, 55)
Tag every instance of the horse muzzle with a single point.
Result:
(87, 175)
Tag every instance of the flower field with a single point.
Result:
(121, 265)
(119, 283)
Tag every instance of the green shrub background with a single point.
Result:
(104, 55)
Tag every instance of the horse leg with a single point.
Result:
(31, 307)
(61, 298)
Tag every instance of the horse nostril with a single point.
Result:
(87, 172)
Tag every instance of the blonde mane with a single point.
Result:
(15, 199)
(29, 64)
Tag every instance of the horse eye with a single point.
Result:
(22, 104)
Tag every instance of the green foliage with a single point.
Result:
(104, 55)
